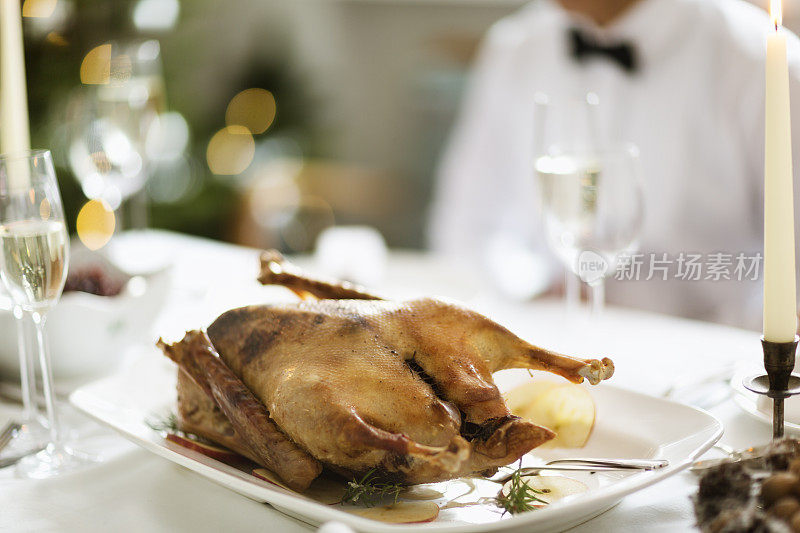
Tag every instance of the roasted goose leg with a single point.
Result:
(275, 270)
(200, 415)
(260, 438)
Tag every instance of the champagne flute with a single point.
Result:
(33, 265)
(565, 123)
(109, 128)
(593, 210)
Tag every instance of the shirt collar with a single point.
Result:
(650, 25)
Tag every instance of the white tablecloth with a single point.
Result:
(135, 491)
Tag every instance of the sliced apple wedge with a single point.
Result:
(269, 476)
(215, 452)
(420, 493)
(551, 488)
(565, 408)
(326, 490)
(401, 513)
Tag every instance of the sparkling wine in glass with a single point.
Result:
(593, 209)
(34, 262)
(34, 250)
(566, 123)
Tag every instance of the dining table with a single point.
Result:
(134, 490)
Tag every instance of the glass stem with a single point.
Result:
(138, 210)
(47, 377)
(27, 328)
(572, 290)
(27, 372)
(598, 296)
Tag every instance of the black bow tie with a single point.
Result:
(585, 46)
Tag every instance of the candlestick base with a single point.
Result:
(778, 383)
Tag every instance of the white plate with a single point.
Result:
(628, 425)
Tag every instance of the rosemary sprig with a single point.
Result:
(167, 422)
(370, 491)
(521, 497)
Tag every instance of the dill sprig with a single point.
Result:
(521, 497)
(370, 491)
(167, 422)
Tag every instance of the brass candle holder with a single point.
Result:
(778, 383)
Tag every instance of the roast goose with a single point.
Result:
(350, 382)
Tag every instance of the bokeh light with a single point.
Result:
(174, 180)
(252, 108)
(38, 8)
(56, 39)
(230, 151)
(314, 214)
(95, 224)
(155, 14)
(168, 137)
(148, 51)
(45, 210)
(96, 66)
(278, 211)
(120, 69)
(43, 17)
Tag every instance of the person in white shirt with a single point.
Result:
(682, 79)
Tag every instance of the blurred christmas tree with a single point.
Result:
(57, 43)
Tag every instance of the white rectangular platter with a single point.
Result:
(628, 425)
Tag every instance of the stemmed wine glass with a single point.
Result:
(109, 127)
(33, 267)
(593, 210)
(565, 124)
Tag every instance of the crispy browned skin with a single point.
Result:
(200, 415)
(250, 419)
(364, 384)
(275, 270)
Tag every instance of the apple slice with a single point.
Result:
(421, 492)
(326, 490)
(551, 488)
(565, 408)
(401, 513)
(269, 476)
(215, 452)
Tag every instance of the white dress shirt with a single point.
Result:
(695, 108)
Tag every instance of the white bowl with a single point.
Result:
(89, 334)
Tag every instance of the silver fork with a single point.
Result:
(632, 464)
(6, 435)
(5, 462)
(590, 465)
(9, 430)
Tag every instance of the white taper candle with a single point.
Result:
(14, 128)
(780, 303)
